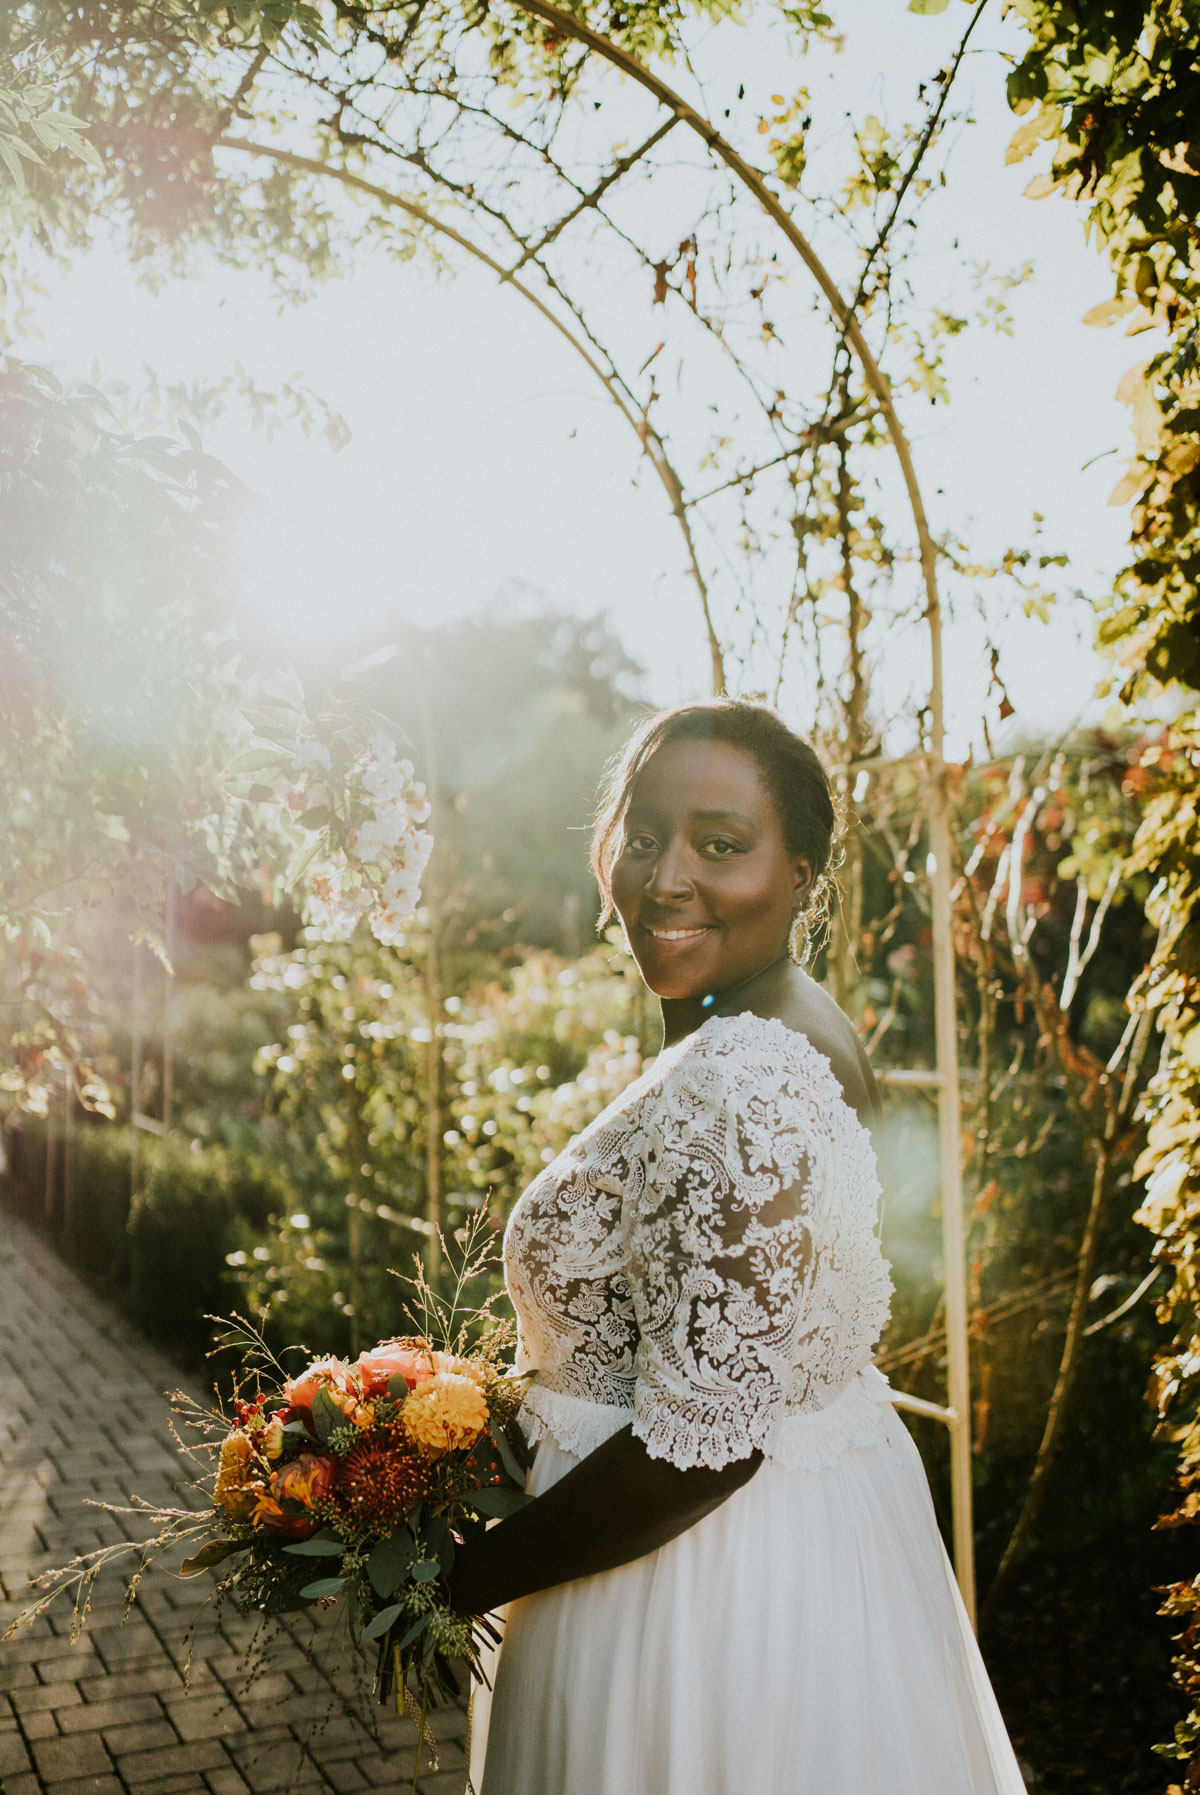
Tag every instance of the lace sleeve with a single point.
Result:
(719, 1250)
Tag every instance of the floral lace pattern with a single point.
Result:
(704, 1258)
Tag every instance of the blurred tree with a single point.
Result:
(512, 719)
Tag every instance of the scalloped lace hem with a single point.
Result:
(808, 1440)
(572, 1422)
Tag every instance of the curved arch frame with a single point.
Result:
(945, 1078)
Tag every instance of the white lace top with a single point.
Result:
(703, 1259)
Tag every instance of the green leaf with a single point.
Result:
(212, 1552)
(387, 1566)
(322, 1545)
(318, 817)
(418, 1626)
(498, 1500)
(504, 1446)
(928, 7)
(439, 1540)
(327, 1417)
(382, 1621)
(324, 1586)
(426, 1571)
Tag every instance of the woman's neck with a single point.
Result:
(760, 992)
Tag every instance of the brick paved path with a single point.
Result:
(82, 1414)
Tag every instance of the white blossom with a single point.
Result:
(313, 757)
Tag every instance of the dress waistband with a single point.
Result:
(802, 1439)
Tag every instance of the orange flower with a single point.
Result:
(306, 1480)
(407, 1358)
(444, 1413)
(323, 1374)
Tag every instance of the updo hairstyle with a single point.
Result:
(794, 778)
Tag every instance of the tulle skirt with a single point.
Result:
(806, 1638)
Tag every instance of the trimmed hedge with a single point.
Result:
(163, 1256)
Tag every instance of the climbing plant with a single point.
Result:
(1112, 91)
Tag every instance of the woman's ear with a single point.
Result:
(804, 881)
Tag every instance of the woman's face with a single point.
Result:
(703, 882)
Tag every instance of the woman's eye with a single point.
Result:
(640, 844)
(722, 847)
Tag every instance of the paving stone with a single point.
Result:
(226, 1782)
(380, 1770)
(96, 1716)
(145, 1680)
(344, 1777)
(87, 1785)
(149, 1735)
(42, 1725)
(13, 1755)
(17, 1676)
(81, 1755)
(197, 1755)
(23, 1785)
(46, 1695)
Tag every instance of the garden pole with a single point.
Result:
(958, 1371)
(135, 1073)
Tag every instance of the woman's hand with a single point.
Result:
(616, 1506)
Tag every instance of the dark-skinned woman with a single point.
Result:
(731, 1580)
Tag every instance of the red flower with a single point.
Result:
(378, 1480)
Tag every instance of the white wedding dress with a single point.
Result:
(703, 1261)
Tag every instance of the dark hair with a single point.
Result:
(795, 780)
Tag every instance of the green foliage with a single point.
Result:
(190, 1212)
(1114, 90)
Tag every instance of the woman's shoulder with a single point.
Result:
(802, 1034)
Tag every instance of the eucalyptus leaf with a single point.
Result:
(382, 1621)
(508, 1457)
(387, 1566)
(418, 1626)
(327, 1417)
(439, 1539)
(497, 1500)
(426, 1571)
(322, 1545)
(324, 1586)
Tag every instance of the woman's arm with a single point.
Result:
(616, 1506)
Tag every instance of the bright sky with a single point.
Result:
(481, 459)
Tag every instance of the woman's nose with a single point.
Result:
(669, 877)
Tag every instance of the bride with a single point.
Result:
(731, 1581)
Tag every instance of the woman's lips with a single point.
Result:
(676, 939)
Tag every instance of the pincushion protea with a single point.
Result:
(378, 1479)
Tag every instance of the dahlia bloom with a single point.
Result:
(445, 1412)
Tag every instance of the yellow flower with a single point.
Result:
(271, 1438)
(236, 1487)
(364, 1415)
(463, 1367)
(444, 1413)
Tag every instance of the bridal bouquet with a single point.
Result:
(347, 1485)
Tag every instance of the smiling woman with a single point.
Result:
(713, 843)
(731, 1578)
